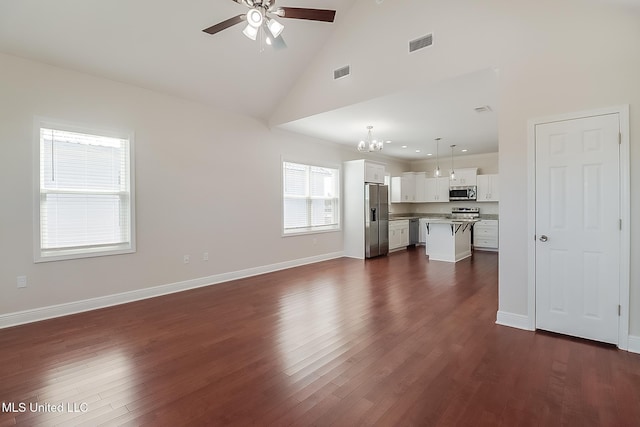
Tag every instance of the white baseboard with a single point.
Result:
(43, 313)
(522, 322)
(514, 320)
(634, 344)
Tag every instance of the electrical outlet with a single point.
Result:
(205, 256)
(21, 281)
(186, 259)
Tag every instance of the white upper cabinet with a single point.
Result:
(464, 177)
(374, 172)
(488, 190)
(416, 187)
(408, 188)
(408, 191)
(396, 189)
(419, 187)
(437, 189)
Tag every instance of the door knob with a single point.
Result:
(543, 238)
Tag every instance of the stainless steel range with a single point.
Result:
(465, 213)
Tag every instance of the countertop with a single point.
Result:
(399, 217)
(452, 220)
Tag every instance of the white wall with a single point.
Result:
(486, 163)
(206, 180)
(552, 56)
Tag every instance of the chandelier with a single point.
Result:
(370, 144)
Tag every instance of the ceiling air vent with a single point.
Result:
(341, 72)
(420, 43)
(482, 109)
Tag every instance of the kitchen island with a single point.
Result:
(448, 239)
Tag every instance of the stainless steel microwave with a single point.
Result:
(462, 193)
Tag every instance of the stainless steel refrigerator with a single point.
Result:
(376, 222)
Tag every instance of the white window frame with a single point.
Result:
(44, 255)
(312, 229)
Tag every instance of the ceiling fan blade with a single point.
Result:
(324, 15)
(225, 24)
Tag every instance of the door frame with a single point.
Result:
(625, 212)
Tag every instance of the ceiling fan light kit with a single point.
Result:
(250, 31)
(254, 18)
(258, 20)
(275, 28)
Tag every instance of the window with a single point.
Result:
(85, 198)
(311, 198)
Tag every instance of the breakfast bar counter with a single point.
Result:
(448, 239)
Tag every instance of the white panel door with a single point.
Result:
(577, 227)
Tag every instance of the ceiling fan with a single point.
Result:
(260, 20)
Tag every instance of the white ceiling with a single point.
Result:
(159, 45)
(414, 119)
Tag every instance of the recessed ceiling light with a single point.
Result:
(388, 142)
(429, 154)
(404, 146)
(465, 150)
(417, 151)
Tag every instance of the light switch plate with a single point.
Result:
(21, 281)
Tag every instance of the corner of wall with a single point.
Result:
(513, 320)
(634, 344)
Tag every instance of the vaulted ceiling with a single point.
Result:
(160, 45)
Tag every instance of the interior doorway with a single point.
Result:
(580, 229)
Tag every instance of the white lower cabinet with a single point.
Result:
(398, 234)
(485, 235)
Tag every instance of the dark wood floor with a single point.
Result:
(394, 341)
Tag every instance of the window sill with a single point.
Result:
(69, 254)
(305, 232)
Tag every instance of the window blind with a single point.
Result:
(85, 192)
(311, 198)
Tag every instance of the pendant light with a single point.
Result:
(436, 172)
(370, 144)
(453, 173)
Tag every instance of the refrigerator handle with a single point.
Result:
(373, 214)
